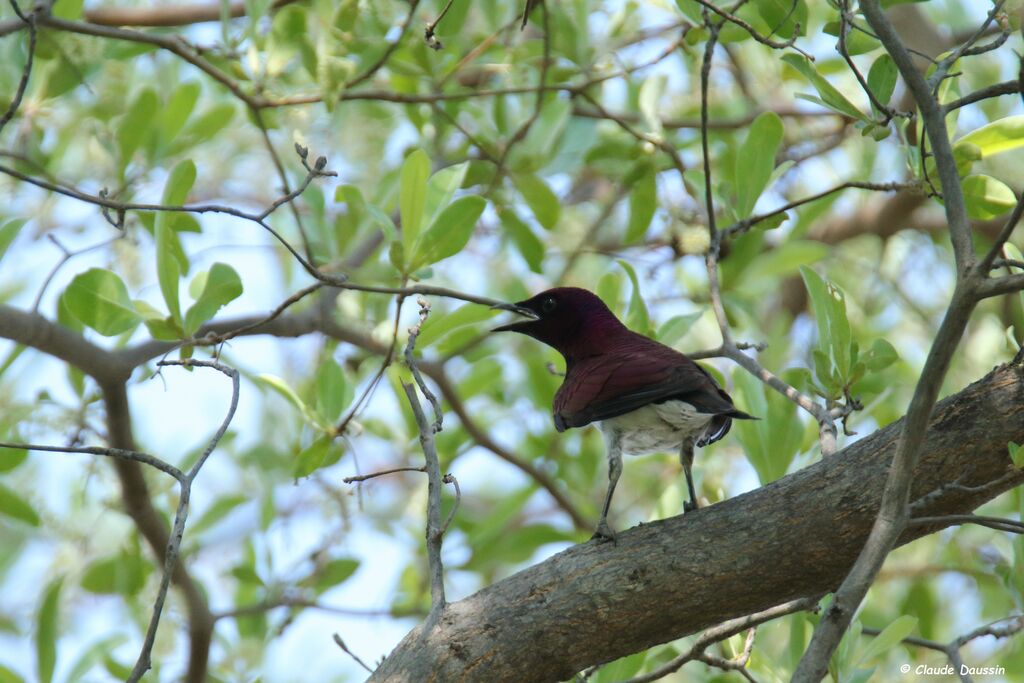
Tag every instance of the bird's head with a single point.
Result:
(566, 318)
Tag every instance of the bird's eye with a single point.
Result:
(548, 305)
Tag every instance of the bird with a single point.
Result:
(644, 396)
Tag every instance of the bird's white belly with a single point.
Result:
(655, 428)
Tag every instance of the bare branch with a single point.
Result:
(410, 361)
(985, 265)
(998, 523)
(743, 226)
(721, 632)
(26, 72)
(344, 648)
(374, 475)
(434, 527)
(764, 40)
(143, 663)
(386, 55)
(988, 92)
(119, 453)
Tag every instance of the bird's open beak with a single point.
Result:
(518, 310)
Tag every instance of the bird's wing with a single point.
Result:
(609, 385)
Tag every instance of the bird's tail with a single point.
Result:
(720, 425)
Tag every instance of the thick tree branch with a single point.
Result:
(795, 538)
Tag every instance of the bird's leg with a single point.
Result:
(686, 459)
(604, 532)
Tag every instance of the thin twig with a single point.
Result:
(742, 226)
(764, 40)
(434, 528)
(998, 523)
(538, 103)
(118, 453)
(410, 361)
(344, 648)
(985, 264)
(26, 72)
(428, 33)
(952, 648)
(386, 55)
(143, 663)
(374, 475)
(721, 632)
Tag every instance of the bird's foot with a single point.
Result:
(604, 533)
(689, 506)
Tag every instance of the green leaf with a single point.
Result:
(889, 638)
(539, 197)
(135, 124)
(68, 9)
(331, 574)
(880, 356)
(220, 509)
(179, 184)
(179, 107)
(1016, 454)
(987, 197)
(858, 39)
(756, 160)
(171, 261)
(358, 206)
(785, 259)
(637, 318)
(46, 631)
(282, 388)
(247, 574)
(449, 233)
(222, 286)
(439, 324)
(882, 79)
(333, 392)
(92, 656)
(782, 16)
(16, 507)
(168, 271)
(997, 137)
(643, 201)
(412, 196)
(8, 676)
(675, 328)
(205, 126)
(441, 188)
(528, 244)
(648, 100)
(10, 458)
(834, 337)
(771, 442)
(8, 231)
(99, 299)
(313, 457)
(123, 574)
(830, 97)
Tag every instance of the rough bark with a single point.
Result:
(796, 537)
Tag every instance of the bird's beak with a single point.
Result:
(519, 310)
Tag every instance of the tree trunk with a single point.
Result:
(793, 538)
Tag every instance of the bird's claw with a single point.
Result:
(689, 506)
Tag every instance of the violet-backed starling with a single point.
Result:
(644, 396)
